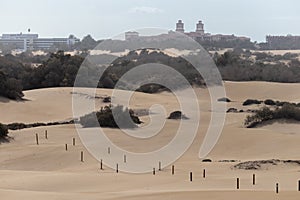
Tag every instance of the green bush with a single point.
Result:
(109, 116)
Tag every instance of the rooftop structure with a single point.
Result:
(180, 26)
(200, 35)
(200, 28)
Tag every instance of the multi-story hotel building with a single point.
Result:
(29, 41)
(199, 34)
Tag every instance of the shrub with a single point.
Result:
(3, 131)
(16, 126)
(232, 110)
(151, 88)
(10, 87)
(251, 101)
(224, 99)
(109, 116)
(19, 126)
(269, 102)
(281, 103)
(287, 111)
(177, 115)
(206, 160)
(106, 99)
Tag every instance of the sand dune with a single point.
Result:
(47, 171)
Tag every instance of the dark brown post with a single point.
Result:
(37, 138)
(81, 157)
(153, 171)
(117, 168)
(108, 150)
(237, 183)
(277, 188)
(73, 141)
(101, 165)
(46, 134)
(159, 166)
(173, 170)
(299, 185)
(125, 159)
(66, 147)
(253, 179)
(191, 176)
(204, 173)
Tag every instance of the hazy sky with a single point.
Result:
(107, 18)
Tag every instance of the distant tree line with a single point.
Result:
(223, 44)
(60, 70)
(240, 66)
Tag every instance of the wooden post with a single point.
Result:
(81, 157)
(117, 168)
(204, 173)
(153, 172)
(277, 188)
(253, 180)
(159, 166)
(238, 183)
(125, 159)
(173, 169)
(73, 141)
(108, 150)
(299, 185)
(37, 138)
(46, 134)
(191, 176)
(101, 165)
(66, 147)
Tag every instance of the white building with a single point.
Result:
(131, 35)
(26, 42)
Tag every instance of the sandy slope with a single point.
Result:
(47, 171)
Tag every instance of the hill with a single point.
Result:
(48, 171)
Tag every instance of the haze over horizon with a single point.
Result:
(105, 19)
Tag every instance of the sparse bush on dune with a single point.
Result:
(109, 116)
(224, 99)
(19, 126)
(269, 102)
(177, 115)
(16, 126)
(207, 160)
(106, 99)
(251, 102)
(232, 110)
(151, 88)
(3, 131)
(287, 111)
